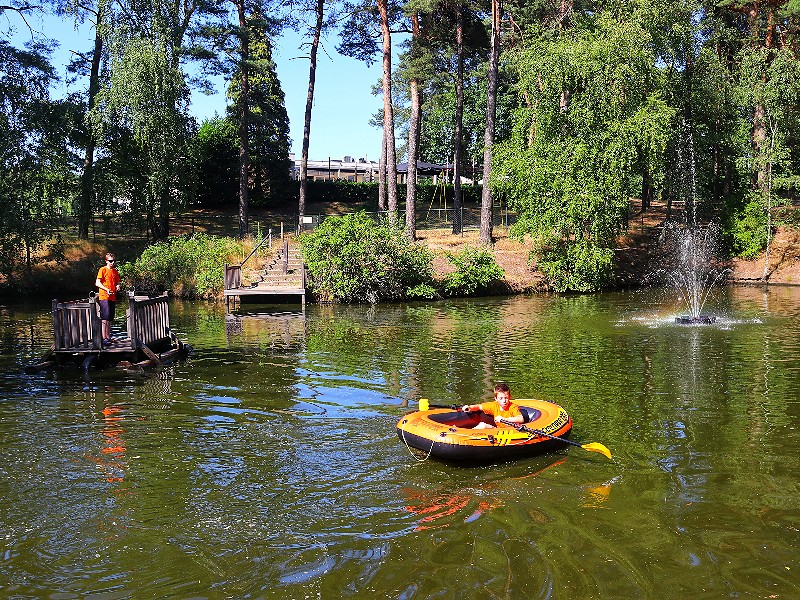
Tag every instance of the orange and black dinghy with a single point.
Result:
(449, 434)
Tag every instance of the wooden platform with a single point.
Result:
(77, 337)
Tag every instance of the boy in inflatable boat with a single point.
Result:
(501, 408)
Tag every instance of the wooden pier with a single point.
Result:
(284, 276)
(147, 340)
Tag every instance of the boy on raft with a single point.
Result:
(500, 408)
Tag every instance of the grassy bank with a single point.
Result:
(67, 269)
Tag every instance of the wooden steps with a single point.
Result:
(283, 275)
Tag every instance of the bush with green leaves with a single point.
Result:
(188, 266)
(746, 230)
(353, 258)
(578, 266)
(476, 270)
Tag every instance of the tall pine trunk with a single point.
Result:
(488, 138)
(413, 138)
(244, 117)
(388, 111)
(459, 128)
(312, 75)
(87, 176)
(382, 175)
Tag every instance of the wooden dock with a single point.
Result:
(283, 276)
(147, 340)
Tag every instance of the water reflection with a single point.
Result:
(267, 463)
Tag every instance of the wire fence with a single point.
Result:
(134, 226)
(438, 218)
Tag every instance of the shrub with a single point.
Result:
(476, 269)
(746, 230)
(354, 259)
(578, 266)
(188, 266)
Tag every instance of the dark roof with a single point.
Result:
(424, 168)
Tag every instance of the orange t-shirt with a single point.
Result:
(109, 278)
(493, 408)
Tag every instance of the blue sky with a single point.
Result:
(343, 103)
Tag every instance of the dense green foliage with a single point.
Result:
(476, 271)
(690, 103)
(267, 122)
(36, 162)
(355, 259)
(216, 158)
(186, 266)
(144, 106)
(568, 167)
(747, 231)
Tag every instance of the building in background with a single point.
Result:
(353, 169)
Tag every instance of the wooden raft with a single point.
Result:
(147, 340)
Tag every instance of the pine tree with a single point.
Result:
(268, 123)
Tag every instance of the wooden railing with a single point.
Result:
(76, 325)
(148, 320)
(233, 273)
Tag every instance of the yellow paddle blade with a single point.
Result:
(597, 447)
(424, 404)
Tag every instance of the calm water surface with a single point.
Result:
(267, 464)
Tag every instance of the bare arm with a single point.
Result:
(515, 419)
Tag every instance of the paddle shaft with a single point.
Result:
(451, 406)
(540, 432)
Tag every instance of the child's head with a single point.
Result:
(502, 394)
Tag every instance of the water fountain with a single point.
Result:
(689, 251)
(692, 267)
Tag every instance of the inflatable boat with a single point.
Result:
(448, 434)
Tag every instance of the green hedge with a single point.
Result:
(364, 196)
(354, 259)
(476, 271)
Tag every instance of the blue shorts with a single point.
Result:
(107, 310)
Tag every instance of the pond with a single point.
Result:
(267, 465)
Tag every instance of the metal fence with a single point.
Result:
(133, 226)
(437, 218)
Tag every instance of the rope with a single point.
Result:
(414, 456)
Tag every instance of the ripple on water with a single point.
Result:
(258, 469)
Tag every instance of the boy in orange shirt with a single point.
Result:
(501, 408)
(108, 281)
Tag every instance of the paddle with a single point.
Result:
(591, 447)
(424, 404)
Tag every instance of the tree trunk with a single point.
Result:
(765, 275)
(488, 139)
(459, 129)
(312, 76)
(413, 139)
(647, 189)
(759, 138)
(87, 177)
(244, 117)
(382, 175)
(388, 111)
